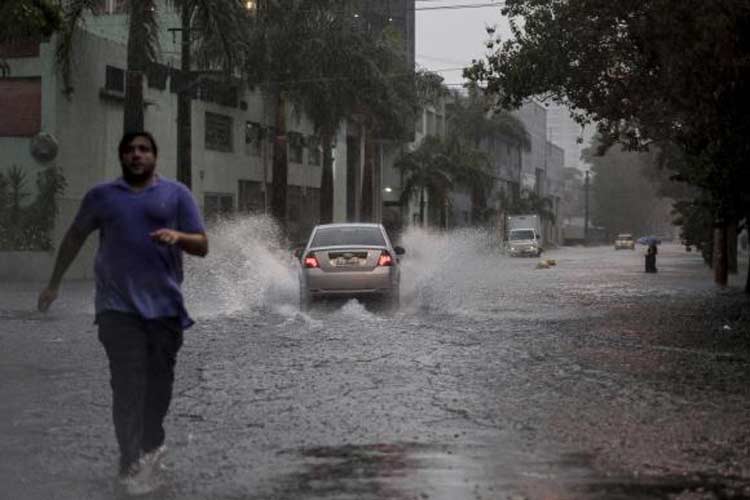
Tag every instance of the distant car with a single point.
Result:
(349, 260)
(624, 241)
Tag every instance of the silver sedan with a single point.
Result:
(349, 260)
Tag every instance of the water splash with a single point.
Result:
(444, 271)
(454, 272)
(246, 269)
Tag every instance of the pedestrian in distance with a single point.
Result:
(145, 223)
(651, 258)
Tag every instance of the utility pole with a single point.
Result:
(586, 209)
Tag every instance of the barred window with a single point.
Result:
(218, 134)
(313, 150)
(114, 79)
(296, 147)
(217, 205)
(253, 138)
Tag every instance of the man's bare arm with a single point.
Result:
(69, 248)
(192, 243)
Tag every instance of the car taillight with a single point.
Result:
(385, 259)
(311, 261)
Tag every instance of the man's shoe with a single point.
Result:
(138, 479)
(154, 458)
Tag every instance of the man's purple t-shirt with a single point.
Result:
(135, 274)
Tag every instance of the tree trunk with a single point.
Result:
(280, 174)
(732, 246)
(326, 180)
(720, 255)
(137, 59)
(184, 101)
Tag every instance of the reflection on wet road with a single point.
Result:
(587, 380)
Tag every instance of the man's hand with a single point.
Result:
(192, 243)
(46, 298)
(166, 236)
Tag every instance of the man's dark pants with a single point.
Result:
(142, 355)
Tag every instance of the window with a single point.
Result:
(348, 236)
(19, 47)
(20, 107)
(217, 205)
(296, 147)
(218, 132)
(114, 79)
(313, 150)
(250, 198)
(253, 138)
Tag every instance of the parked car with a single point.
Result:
(624, 241)
(349, 260)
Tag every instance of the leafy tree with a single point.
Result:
(280, 31)
(24, 19)
(426, 173)
(531, 203)
(25, 226)
(624, 200)
(213, 35)
(644, 71)
(338, 84)
(309, 53)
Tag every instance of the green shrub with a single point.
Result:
(28, 226)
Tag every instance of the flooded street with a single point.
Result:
(495, 380)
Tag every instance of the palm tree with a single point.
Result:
(437, 168)
(532, 203)
(216, 30)
(308, 53)
(426, 171)
(278, 35)
(329, 91)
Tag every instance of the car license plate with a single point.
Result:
(347, 261)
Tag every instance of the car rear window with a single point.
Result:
(522, 234)
(334, 236)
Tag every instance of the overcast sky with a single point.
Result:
(452, 37)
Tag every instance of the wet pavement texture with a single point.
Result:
(495, 380)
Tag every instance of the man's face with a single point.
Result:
(138, 161)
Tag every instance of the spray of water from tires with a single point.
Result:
(249, 270)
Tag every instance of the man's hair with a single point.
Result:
(128, 138)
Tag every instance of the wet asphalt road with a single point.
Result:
(495, 380)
